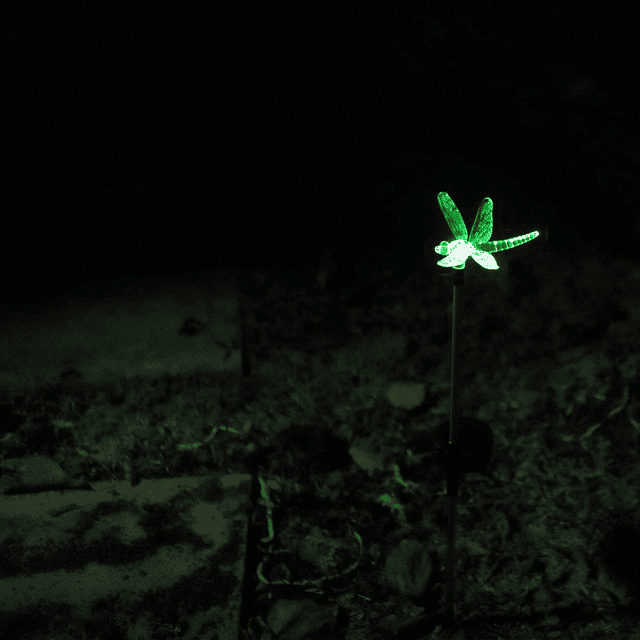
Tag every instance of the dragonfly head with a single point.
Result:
(443, 248)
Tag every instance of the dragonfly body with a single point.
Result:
(476, 244)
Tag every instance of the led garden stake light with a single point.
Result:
(478, 246)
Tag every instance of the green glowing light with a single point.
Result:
(477, 244)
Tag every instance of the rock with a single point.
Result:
(406, 394)
(408, 568)
(34, 472)
(192, 327)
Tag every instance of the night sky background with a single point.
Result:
(171, 142)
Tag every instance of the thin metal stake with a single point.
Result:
(453, 450)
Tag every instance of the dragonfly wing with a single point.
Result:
(451, 261)
(483, 224)
(484, 259)
(452, 216)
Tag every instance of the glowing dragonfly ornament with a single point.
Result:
(477, 244)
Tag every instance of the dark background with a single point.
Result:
(172, 141)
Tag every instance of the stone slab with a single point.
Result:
(163, 555)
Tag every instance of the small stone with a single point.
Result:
(408, 568)
(192, 327)
(35, 471)
(406, 395)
